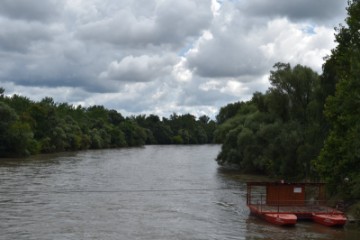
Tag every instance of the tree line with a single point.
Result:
(305, 126)
(28, 127)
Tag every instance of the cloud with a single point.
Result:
(163, 23)
(158, 56)
(295, 10)
(237, 46)
(20, 36)
(288, 42)
(30, 10)
(139, 69)
(228, 53)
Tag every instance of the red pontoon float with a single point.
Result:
(281, 218)
(284, 203)
(336, 219)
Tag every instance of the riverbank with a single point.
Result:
(353, 214)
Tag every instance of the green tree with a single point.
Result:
(294, 88)
(272, 132)
(2, 90)
(162, 133)
(339, 160)
(228, 112)
(115, 118)
(134, 134)
(117, 137)
(16, 138)
(8, 117)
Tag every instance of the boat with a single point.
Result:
(283, 219)
(284, 203)
(329, 219)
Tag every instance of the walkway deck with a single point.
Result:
(302, 212)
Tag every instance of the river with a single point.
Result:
(154, 192)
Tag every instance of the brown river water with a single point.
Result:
(154, 192)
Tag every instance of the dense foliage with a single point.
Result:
(178, 129)
(28, 127)
(278, 132)
(339, 160)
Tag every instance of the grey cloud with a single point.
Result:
(18, 36)
(123, 29)
(57, 75)
(322, 10)
(139, 69)
(178, 20)
(193, 94)
(55, 69)
(38, 55)
(60, 75)
(196, 97)
(228, 55)
(231, 49)
(138, 97)
(30, 10)
(170, 22)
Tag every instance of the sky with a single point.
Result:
(158, 56)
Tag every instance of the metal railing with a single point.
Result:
(294, 206)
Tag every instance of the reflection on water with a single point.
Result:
(155, 192)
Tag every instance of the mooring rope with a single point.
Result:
(60, 191)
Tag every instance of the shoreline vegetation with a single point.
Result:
(28, 128)
(304, 127)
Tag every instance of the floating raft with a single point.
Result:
(284, 203)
